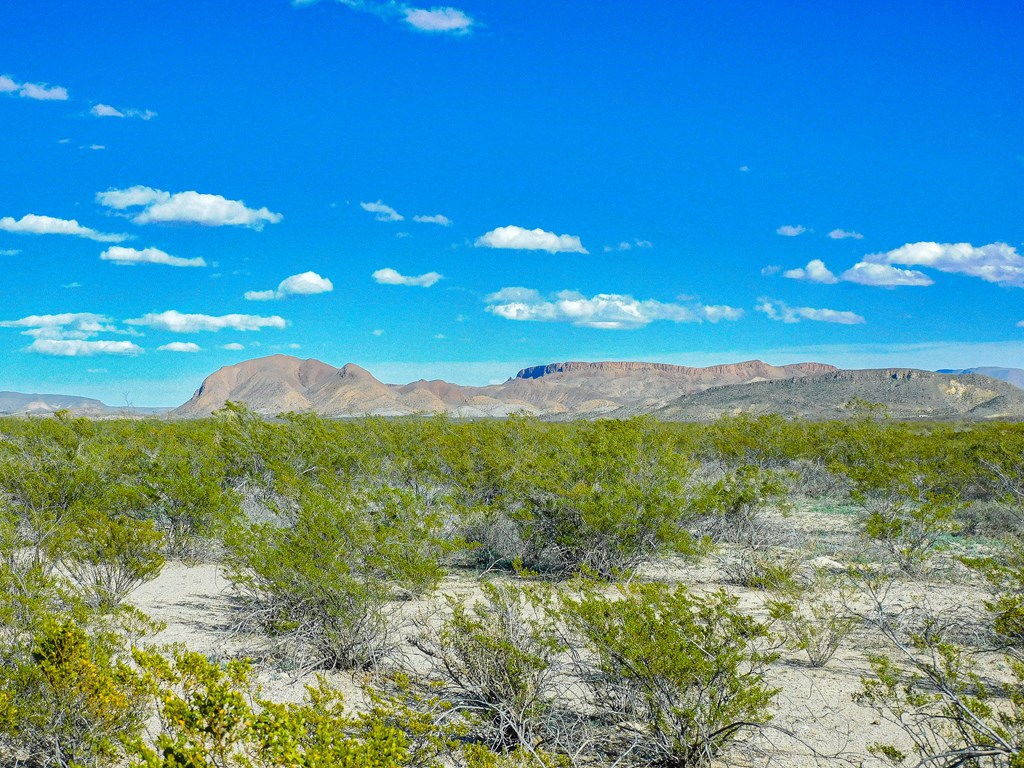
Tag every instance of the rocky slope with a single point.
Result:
(906, 394)
(1013, 376)
(279, 383)
(22, 404)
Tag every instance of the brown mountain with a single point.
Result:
(905, 392)
(279, 383)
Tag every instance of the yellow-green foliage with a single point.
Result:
(212, 715)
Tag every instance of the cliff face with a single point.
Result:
(750, 368)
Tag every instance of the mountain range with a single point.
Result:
(281, 383)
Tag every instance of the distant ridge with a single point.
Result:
(906, 393)
(279, 383)
(22, 404)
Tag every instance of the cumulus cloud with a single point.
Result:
(105, 110)
(814, 272)
(382, 212)
(884, 275)
(609, 311)
(444, 19)
(994, 263)
(791, 230)
(180, 322)
(779, 310)
(64, 325)
(302, 284)
(842, 234)
(128, 256)
(160, 207)
(35, 91)
(438, 20)
(179, 346)
(32, 224)
(389, 276)
(234, 346)
(437, 218)
(80, 348)
(520, 239)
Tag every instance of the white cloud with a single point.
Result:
(842, 234)
(105, 110)
(437, 218)
(814, 272)
(64, 325)
(994, 263)
(605, 310)
(32, 224)
(771, 269)
(884, 275)
(36, 91)
(389, 276)
(10, 252)
(127, 256)
(378, 332)
(180, 322)
(234, 346)
(779, 310)
(438, 20)
(441, 20)
(628, 246)
(744, 168)
(79, 348)
(791, 230)
(303, 284)
(518, 238)
(179, 346)
(95, 146)
(190, 207)
(382, 212)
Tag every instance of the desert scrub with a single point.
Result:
(212, 715)
(680, 676)
(496, 662)
(815, 619)
(326, 580)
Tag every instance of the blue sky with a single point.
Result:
(459, 191)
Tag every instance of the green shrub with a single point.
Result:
(681, 675)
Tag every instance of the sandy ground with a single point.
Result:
(816, 706)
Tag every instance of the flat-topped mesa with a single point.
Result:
(750, 366)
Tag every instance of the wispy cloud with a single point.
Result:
(439, 20)
(994, 263)
(9, 251)
(437, 218)
(63, 325)
(160, 207)
(234, 346)
(780, 310)
(520, 239)
(842, 234)
(105, 110)
(302, 284)
(34, 91)
(33, 224)
(180, 322)
(626, 245)
(80, 348)
(179, 346)
(129, 256)
(791, 230)
(610, 311)
(382, 212)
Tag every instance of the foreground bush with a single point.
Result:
(212, 716)
(325, 578)
(681, 676)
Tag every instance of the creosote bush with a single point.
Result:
(681, 676)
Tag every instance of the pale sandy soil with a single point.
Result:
(816, 705)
